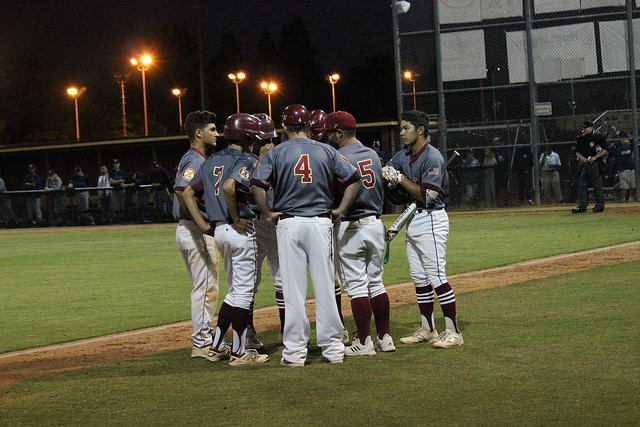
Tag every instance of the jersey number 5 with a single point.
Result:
(217, 172)
(368, 177)
(303, 169)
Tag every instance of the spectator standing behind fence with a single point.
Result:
(489, 164)
(160, 181)
(32, 182)
(550, 166)
(7, 216)
(590, 150)
(625, 161)
(502, 172)
(117, 178)
(53, 186)
(106, 196)
(522, 164)
(77, 182)
(470, 177)
(380, 152)
(143, 194)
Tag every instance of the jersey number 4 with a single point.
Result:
(368, 177)
(303, 169)
(217, 172)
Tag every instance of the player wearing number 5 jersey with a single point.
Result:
(419, 170)
(302, 173)
(360, 240)
(225, 179)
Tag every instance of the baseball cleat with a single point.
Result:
(249, 357)
(285, 362)
(420, 335)
(579, 209)
(385, 344)
(217, 355)
(333, 362)
(199, 351)
(449, 338)
(345, 336)
(358, 349)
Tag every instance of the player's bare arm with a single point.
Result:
(229, 191)
(189, 199)
(260, 196)
(349, 194)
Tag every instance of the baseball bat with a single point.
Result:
(410, 210)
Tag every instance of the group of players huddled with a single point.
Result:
(309, 199)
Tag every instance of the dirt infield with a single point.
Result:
(24, 364)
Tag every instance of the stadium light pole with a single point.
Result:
(143, 65)
(268, 88)
(121, 79)
(412, 78)
(178, 93)
(75, 94)
(237, 79)
(333, 79)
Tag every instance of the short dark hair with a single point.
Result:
(297, 128)
(197, 120)
(417, 118)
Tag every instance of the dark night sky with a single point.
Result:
(83, 34)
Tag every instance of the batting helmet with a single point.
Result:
(396, 195)
(242, 127)
(340, 120)
(317, 124)
(267, 127)
(296, 114)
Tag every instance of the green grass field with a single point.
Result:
(82, 282)
(559, 351)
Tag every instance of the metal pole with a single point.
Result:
(414, 93)
(180, 111)
(634, 99)
(533, 98)
(144, 101)
(396, 54)
(75, 98)
(269, 101)
(237, 96)
(442, 119)
(201, 11)
(124, 111)
(333, 95)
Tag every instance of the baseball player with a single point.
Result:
(225, 179)
(32, 182)
(302, 172)
(198, 251)
(360, 240)
(590, 150)
(117, 178)
(419, 170)
(317, 132)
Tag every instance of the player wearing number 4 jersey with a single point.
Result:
(225, 179)
(302, 173)
(419, 170)
(360, 240)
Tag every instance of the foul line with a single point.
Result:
(399, 285)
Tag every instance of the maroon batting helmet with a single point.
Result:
(267, 127)
(340, 120)
(317, 124)
(242, 127)
(296, 114)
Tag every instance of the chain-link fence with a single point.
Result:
(467, 64)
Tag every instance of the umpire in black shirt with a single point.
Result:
(590, 150)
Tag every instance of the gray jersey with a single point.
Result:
(301, 172)
(424, 168)
(369, 198)
(223, 165)
(187, 168)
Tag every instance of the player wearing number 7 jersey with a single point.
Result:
(302, 173)
(360, 240)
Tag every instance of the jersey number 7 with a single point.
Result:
(303, 169)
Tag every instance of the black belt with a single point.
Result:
(287, 216)
(359, 217)
(420, 210)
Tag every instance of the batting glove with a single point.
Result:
(392, 175)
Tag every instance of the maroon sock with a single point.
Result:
(425, 299)
(239, 323)
(339, 302)
(224, 320)
(447, 300)
(361, 308)
(380, 308)
(280, 302)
